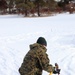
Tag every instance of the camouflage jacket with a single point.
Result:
(35, 61)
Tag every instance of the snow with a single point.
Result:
(18, 32)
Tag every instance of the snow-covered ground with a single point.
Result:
(17, 33)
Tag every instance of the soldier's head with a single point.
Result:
(42, 41)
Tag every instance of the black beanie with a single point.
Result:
(42, 41)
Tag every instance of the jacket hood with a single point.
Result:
(36, 45)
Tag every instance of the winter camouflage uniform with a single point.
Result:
(35, 61)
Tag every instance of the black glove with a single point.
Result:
(56, 69)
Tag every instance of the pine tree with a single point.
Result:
(3, 5)
(11, 4)
(63, 3)
(51, 4)
(39, 4)
(24, 6)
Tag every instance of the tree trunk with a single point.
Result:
(26, 12)
(38, 9)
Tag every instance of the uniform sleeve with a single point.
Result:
(44, 61)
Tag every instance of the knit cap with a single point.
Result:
(42, 41)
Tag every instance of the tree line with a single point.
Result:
(32, 6)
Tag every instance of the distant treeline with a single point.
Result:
(27, 7)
